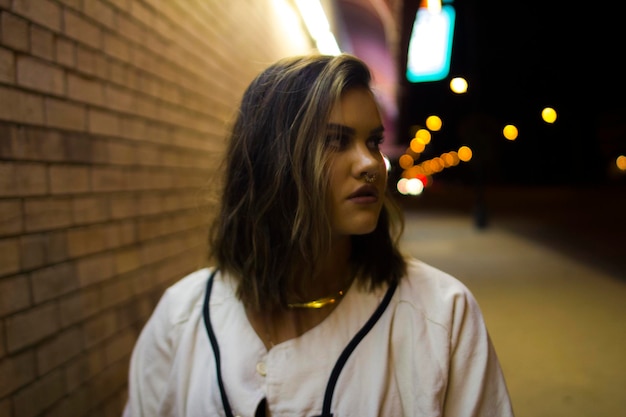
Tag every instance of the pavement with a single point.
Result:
(547, 266)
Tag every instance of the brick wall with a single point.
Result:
(112, 117)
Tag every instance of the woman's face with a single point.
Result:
(358, 175)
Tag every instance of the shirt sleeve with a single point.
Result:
(476, 385)
(150, 364)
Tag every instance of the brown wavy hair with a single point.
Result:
(273, 224)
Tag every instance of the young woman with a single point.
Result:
(309, 308)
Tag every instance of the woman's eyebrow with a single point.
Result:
(347, 129)
(341, 128)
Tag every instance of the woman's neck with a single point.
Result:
(333, 272)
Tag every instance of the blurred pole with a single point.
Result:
(480, 205)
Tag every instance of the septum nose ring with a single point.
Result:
(369, 178)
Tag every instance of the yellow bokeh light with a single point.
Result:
(621, 162)
(423, 135)
(448, 159)
(548, 115)
(458, 85)
(417, 145)
(406, 161)
(434, 123)
(413, 172)
(510, 132)
(465, 153)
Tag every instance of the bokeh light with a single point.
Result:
(548, 115)
(434, 123)
(510, 132)
(465, 153)
(417, 145)
(458, 85)
(423, 135)
(406, 161)
(621, 162)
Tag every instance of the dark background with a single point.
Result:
(518, 58)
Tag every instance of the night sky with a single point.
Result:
(518, 58)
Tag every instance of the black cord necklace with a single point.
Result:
(334, 375)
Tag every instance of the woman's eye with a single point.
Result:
(375, 141)
(336, 141)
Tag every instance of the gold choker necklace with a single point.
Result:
(319, 303)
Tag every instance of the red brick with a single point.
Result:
(42, 248)
(66, 179)
(94, 269)
(86, 240)
(76, 307)
(117, 47)
(72, 4)
(122, 153)
(26, 328)
(45, 12)
(65, 115)
(80, 147)
(14, 31)
(118, 73)
(100, 12)
(116, 291)
(91, 62)
(150, 155)
(99, 328)
(127, 260)
(120, 346)
(20, 107)
(22, 179)
(47, 213)
(111, 380)
(5, 404)
(145, 15)
(90, 209)
(65, 52)
(123, 5)
(130, 29)
(79, 29)
(108, 179)
(126, 232)
(39, 75)
(133, 128)
(16, 371)
(11, 219)
(14, 294)
(123, 206)
(41, 43)
(33, 143)
(51, 282)
(41, 394)
(9, 256)
(119, 99)
(76, 403)
(7, 66)
(103, 123)
(60, 349)
(85, 89)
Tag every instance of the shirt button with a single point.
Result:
(261, 369)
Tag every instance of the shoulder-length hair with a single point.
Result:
(273, 225)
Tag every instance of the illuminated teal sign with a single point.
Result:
(430, 45)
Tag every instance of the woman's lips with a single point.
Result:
(364, 195)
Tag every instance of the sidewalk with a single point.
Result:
(557, 319)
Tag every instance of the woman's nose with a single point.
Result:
(366, 160)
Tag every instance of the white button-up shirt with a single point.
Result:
(429, 355)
